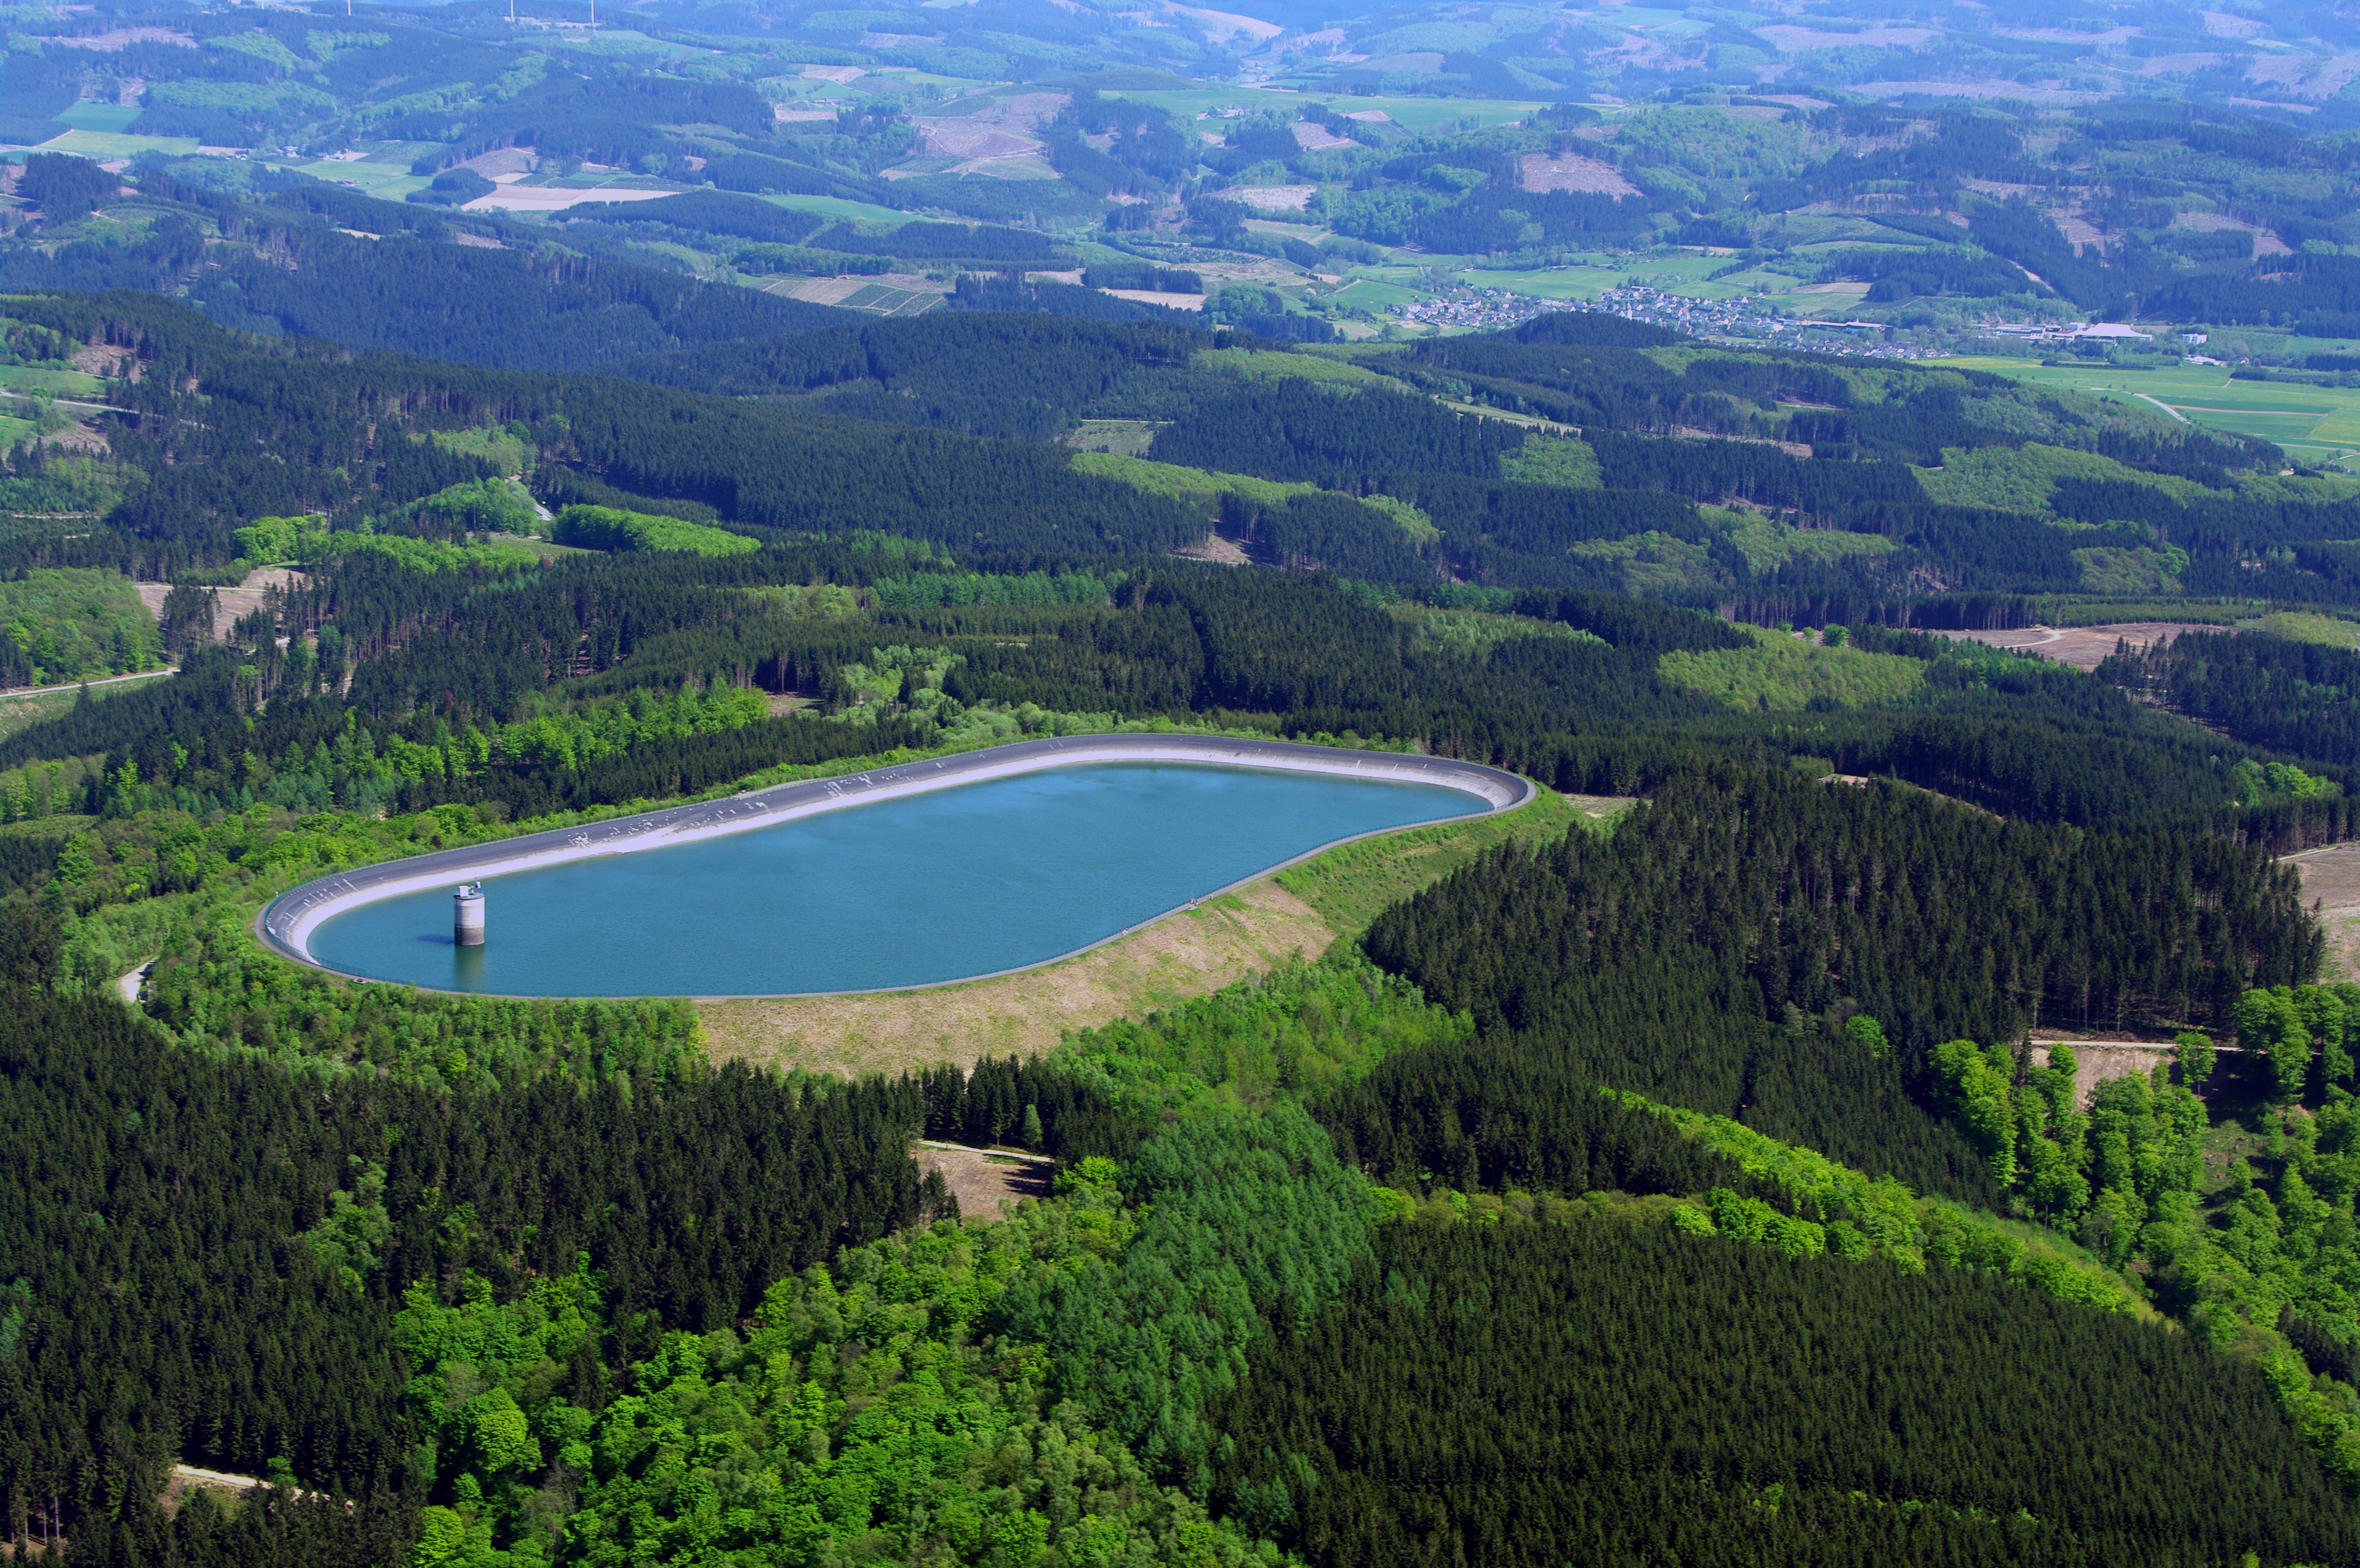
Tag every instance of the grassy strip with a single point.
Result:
(2297, 626)
(1261, 366)
(1206, 486)
(1203, 487)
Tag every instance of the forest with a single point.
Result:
(1448, 1398)
(1313, 198)
(1800, 484)
(1824, 486)
(217, 1269)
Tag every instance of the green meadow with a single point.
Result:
(2313, 424)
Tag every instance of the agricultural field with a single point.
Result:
(2315, 424)
(1376, 294)
(835, 207)
(87, 115)
(117, 144)
(49, 380)
(1590, 276)
(384, 175)
(1418, 116)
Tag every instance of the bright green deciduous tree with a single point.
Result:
(1978, 1088)
(499, 1434)
(2270, 1023)
(2195, 1054)
(1867, 1033)
(349, 1237)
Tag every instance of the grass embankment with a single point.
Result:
(1301, 912)
(1350, 885)
(1193, 953)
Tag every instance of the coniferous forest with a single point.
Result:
(1890, 1099)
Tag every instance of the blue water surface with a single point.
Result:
(932, 887)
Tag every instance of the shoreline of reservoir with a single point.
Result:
(286, 925)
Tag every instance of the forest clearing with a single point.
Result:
(985, 1182)
(2083, 647)
(2331, 883)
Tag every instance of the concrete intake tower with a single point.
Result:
(467, 915)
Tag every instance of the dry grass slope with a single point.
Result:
(1191, 954)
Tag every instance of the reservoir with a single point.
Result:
(996, 874)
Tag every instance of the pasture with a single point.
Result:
(2314, 424)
